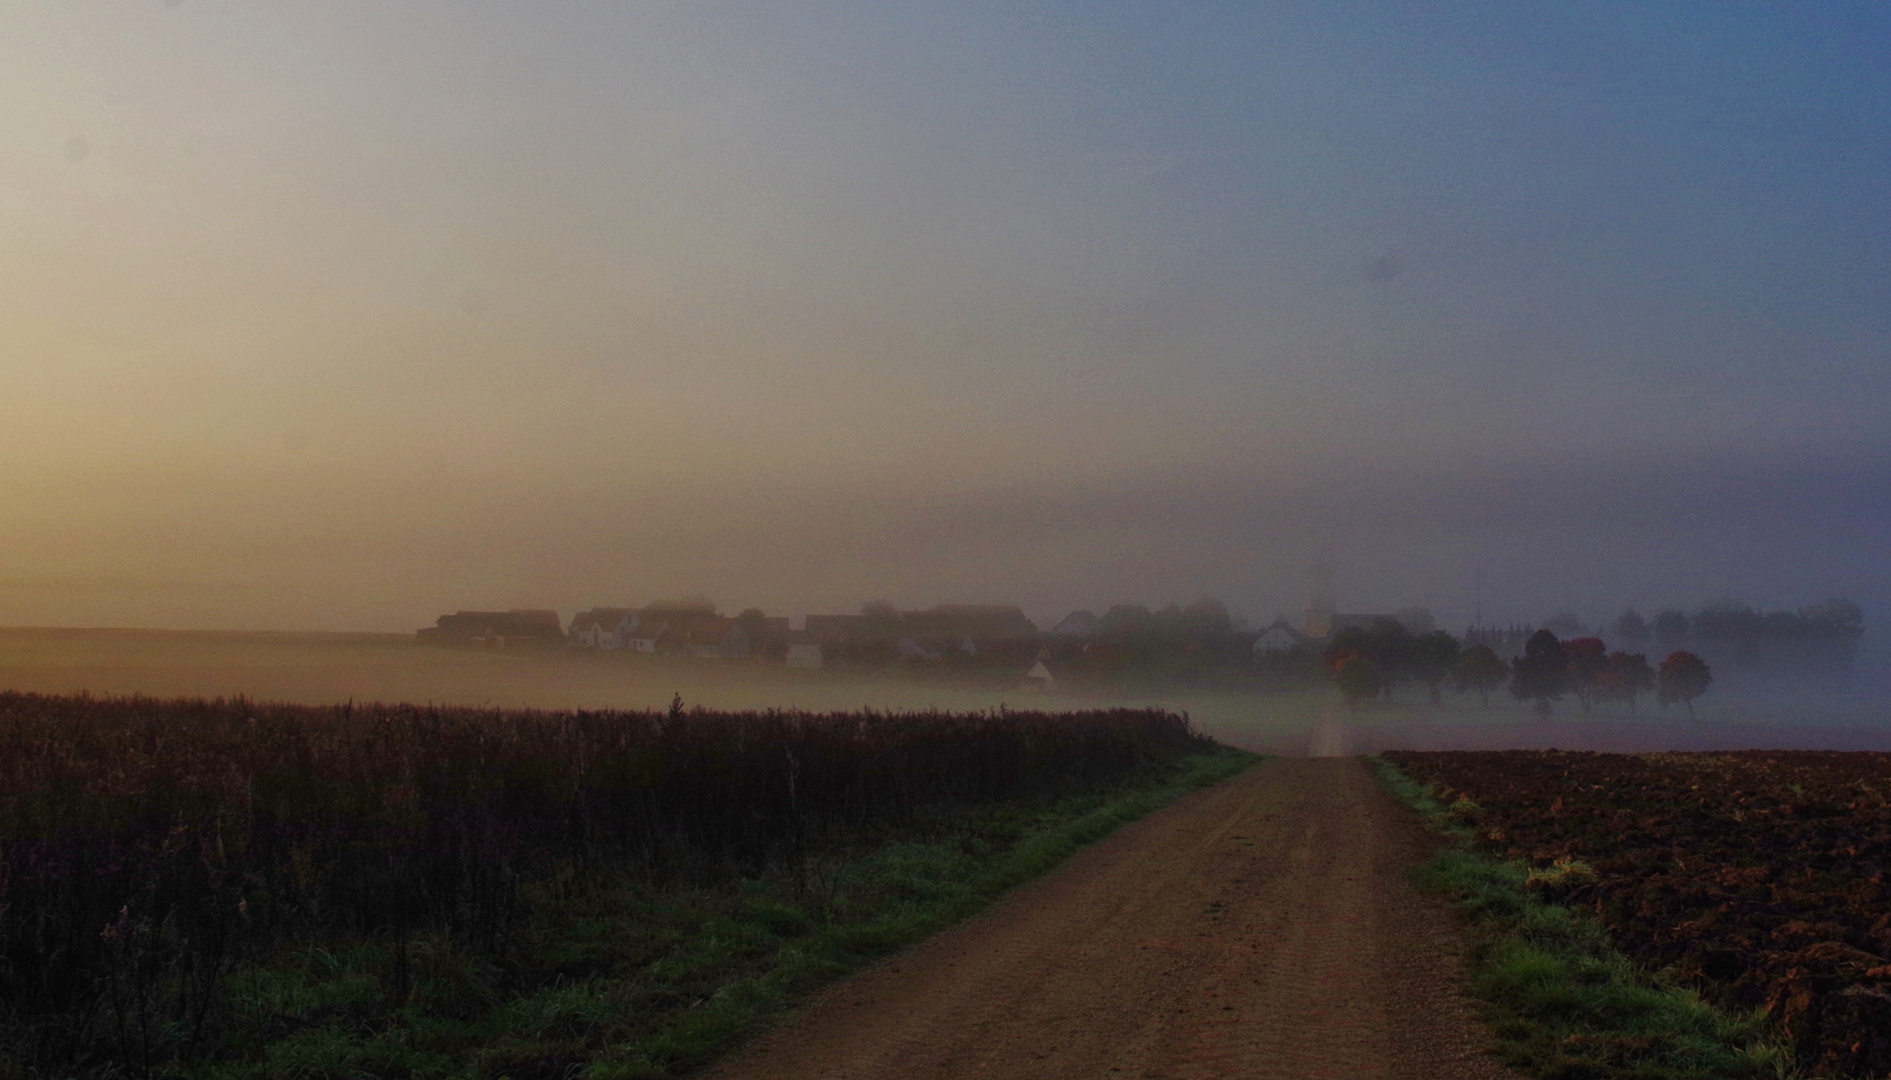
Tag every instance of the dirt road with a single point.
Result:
(1261, 928)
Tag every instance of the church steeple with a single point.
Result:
(1323, 605)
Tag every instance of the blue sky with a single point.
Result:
(334, 314)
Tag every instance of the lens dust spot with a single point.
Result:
(1383, 269)
(77, 149)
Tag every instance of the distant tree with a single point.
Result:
(880, 609)
(1588, 658)
(1836, 616)
(1671, 629)
(1126, 621)
(1565, 625)
(1417, 619)
(1205, 619)
(1728, 620)
(1433, 656)
(1626, 678)
(1747, 655)
(1386, 643)
(1827, 637)
(1480, 669)
(1683, 677)
(1631, 629)
(1357, 675)
(1541, 674)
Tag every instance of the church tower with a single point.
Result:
(1321, 607)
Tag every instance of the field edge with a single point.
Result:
(736, 963)
(745, 1008)
(1561, 1002)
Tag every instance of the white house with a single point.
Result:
(1279, 638)
(602, 628)
(648, 635)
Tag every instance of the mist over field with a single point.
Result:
(934, 538)
(336, 317)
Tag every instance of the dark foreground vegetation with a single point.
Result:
(1758, 878)
(1563, 1002)
(222, 888)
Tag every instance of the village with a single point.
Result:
(994, 640)
(1196, 642)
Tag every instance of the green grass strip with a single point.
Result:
(633, 980)
(738, 1008)
(1562, 1002)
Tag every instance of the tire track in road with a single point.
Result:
(1261, 928)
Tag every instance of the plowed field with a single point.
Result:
(1759, 877)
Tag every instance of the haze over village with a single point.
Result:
(789, 539)
(1197, 644)
(335, 323)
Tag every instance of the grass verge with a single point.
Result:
(623, 979)
(1562, 1002)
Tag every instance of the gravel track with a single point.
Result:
(1260, 928)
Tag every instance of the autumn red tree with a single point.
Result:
(1386, 645)
(1626, 678)
(1683, 677)
(1479, 669)
(1588, 658)
(1541, 674)
(1434, 654)
(1357, 675)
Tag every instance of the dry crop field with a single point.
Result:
(325, 669)
(1759, 877)
(148, 849)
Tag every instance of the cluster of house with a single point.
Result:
(948, 631)
(993, 638)
(966, 635)
(520, 627)
(677, 632)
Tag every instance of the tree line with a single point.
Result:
(1371, 662)
(1819, 640)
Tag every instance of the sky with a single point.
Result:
(340, 314)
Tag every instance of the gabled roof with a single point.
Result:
(767, 625)
(522, 623)
(705, 630)
(979, 622)
(1278, 628)
(604, 618)
(649, 629)
(1076, 624)
(541, 619)
(948, 623)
